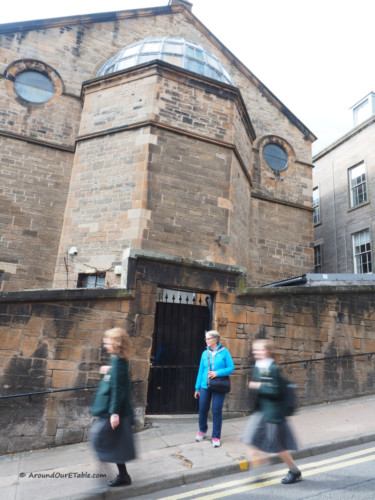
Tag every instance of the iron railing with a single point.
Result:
(305, 362)
(85, 387)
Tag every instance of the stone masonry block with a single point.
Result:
(50, 426)
(228, 331)
(142, 346)
(144, 325)
(53, 364)
(233, 314)
(68, 435)
(295, 332)
(10, 339)
(260, 319)
(304, 319)
(252, 330)
(368, 345)
(238, 348)
(357, 344)
(63, 379)
(29, 345)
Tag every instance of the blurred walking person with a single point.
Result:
(267, 429)
(111, 434)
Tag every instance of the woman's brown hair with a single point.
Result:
(120, 340)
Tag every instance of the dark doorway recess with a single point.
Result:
(178, 342)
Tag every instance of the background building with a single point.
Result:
(343, 196)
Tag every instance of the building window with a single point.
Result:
(358, 189)
(32, 82)
(91, 280)
(364, 108)
(2, 276)
(316, 205)
(34, 86)
(362, 252)
(318, 258)
(275, 156)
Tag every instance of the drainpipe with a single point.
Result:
(346, 251)
(334, 212)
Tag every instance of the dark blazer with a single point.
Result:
(113, 394)
(270, 393)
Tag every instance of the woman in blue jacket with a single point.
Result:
(215, 362)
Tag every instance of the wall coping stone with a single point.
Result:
(305, 290)
(133, 253)
(50, 295)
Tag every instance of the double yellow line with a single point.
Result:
(253, 482)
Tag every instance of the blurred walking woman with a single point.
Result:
(215, 362)
(111, 434)
(267, 429)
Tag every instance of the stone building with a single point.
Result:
(147, 179)
(343, 197)
(140, 130)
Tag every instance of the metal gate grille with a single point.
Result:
(178, 343)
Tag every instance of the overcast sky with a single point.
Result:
(316, 57)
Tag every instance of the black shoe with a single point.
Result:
(120, 481)
(292, 477)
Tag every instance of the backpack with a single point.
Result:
(289, 396)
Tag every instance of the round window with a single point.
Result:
(275, 156)
(34, 86)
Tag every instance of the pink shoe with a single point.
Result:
(215, 442)
(200, 436)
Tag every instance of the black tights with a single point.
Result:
(122, 470)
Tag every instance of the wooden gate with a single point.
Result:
(178, 342)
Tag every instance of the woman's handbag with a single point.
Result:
(218, 384)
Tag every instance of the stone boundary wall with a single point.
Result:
(52, 340)
(325, 335)
(49, 341)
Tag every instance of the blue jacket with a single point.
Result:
(221, 363)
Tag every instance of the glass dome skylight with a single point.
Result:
(174, 50)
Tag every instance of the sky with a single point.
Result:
(316, 57)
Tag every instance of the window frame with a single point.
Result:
(355, 188)
(358, 262)
(273, 164)
(316, 207)
(318, 265)
(33, 65)
(34, 86)
(83, 280)
(285, 146)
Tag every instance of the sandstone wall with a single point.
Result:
(34, 189)
(156, 156)
(323, 336)
(71, 51)
(51, 340)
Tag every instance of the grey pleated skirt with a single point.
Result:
(114, 446)
(268, 436)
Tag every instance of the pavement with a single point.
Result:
(168, 455)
